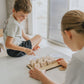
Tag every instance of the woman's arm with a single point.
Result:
(46, 80)
(10, 45)
(25, 36)
(39, 75)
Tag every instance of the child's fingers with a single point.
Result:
(36, 48)
(33, 54)
(33, 48)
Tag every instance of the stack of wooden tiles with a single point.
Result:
(1, 35)
(1, 32)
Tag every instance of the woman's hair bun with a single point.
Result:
(82, 24)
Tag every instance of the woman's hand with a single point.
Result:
(62, 62)
(40, 75)
(36, 74)
(29, 52)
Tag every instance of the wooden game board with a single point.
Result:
(49, 66)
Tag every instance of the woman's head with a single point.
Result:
(72, 26)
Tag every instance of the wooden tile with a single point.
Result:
(1, 32)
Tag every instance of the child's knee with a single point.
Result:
(39, 36)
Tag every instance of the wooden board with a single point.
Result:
(48, 67)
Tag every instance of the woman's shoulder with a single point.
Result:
(79, 55)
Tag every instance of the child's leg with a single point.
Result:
(35, 41)
(16, 53)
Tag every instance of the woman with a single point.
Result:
(72, 27)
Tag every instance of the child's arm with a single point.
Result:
(25, 36)
(10, 45)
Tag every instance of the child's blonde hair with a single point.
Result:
(73, 19)
(23, 5)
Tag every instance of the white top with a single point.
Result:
(13, 29)
(75, 71)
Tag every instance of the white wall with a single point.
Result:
(73, 4)
(76, 5)
(81, 5)
(3, 12)
(40, 17)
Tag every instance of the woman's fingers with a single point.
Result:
(60, 62)
(36, 69)
(31, 71)
(59, 59)
(44, 71)
(36, 73)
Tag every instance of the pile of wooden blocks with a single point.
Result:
(1, 35)
(1, 32)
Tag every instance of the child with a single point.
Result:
(14, 33)
(72, 27)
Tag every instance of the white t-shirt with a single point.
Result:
(75, 71)
(13, 29)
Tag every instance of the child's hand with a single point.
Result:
(29, 52)
(62, 62)
(36, 48)
(37, 74)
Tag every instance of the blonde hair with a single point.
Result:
(73, 19)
